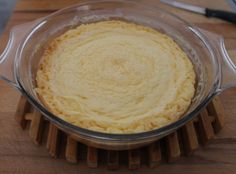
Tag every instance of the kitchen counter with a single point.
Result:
(18, 154)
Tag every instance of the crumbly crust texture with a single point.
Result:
(115, 77)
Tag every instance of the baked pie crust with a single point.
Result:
(115, 77)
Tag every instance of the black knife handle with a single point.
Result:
(227, 16)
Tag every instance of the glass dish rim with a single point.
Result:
(110, 136)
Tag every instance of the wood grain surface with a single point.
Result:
(18, 154)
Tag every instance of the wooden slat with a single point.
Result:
(71, 150)
(134, 159)
(211, 118)
(92, 157)
(216, 109)
(22, 108)
(190, 140)
(173, 148)
(205, 127)
(53, 140)
(36, 127)
(113, 160)
(28, 116)
(154, 154)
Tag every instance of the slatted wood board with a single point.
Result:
(183, 142)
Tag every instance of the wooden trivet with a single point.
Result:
(183, 142)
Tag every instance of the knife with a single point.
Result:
(225, 15)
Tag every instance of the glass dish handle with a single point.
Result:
(228, 68)
(8, 56)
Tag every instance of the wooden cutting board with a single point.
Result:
(19, 155)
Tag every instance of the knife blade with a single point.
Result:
(224, 15)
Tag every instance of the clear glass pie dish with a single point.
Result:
(214, 69)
